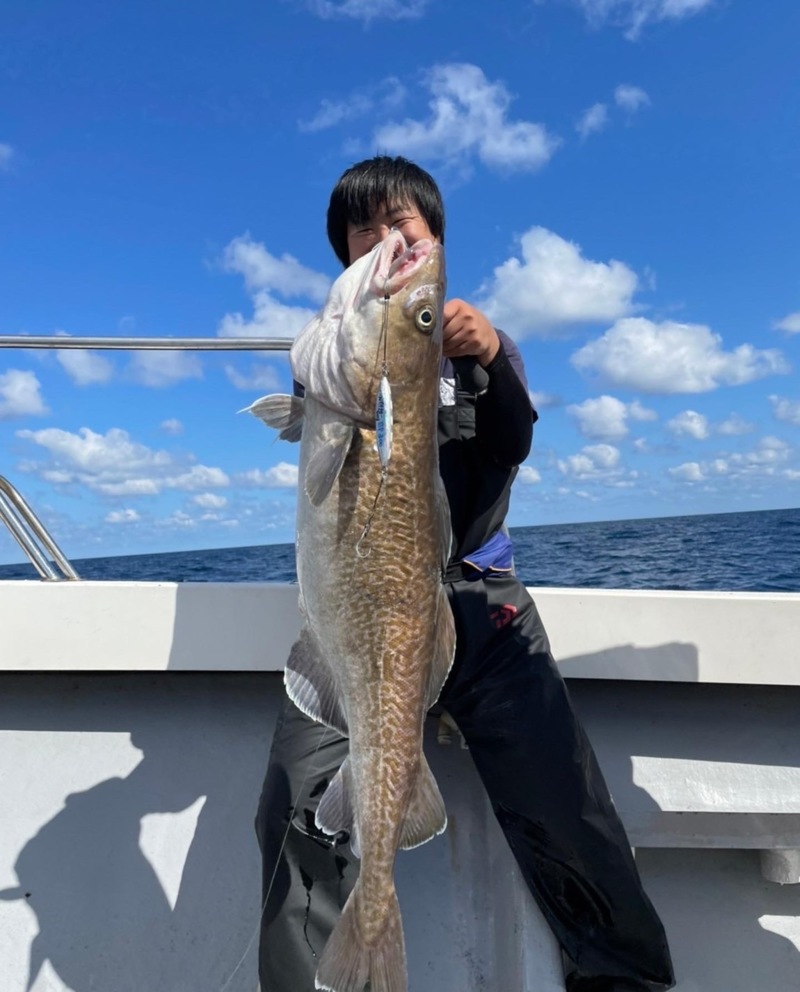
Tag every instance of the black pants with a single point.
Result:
(546, 789)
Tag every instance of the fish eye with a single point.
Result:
(425, 318)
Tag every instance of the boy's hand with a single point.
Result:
(468, 332)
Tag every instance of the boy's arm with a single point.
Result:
(504, 415)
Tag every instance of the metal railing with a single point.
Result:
(26, 528)
(16, 514)
(58, 342)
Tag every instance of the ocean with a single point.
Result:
(756, 551)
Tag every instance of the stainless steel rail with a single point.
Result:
(145, 344)
(24, 526)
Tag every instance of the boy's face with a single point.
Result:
(406, 218)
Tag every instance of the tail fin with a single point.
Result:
(347, 963)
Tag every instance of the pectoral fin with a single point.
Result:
(281, 411)
(311, 685)
(328, 459)
(426, 816)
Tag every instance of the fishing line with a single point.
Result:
(383, 423)
(295, 804)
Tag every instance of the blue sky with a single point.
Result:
(622, 180)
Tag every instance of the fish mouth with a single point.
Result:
(397, 262)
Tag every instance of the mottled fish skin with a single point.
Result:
(378, 638)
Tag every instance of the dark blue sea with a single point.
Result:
(757, 551)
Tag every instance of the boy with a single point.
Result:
(504, 690)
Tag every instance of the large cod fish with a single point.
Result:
(373, 535)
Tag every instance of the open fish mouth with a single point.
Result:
(397, 262)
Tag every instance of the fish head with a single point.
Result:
(383, 316)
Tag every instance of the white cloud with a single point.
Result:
(19, 395)
(164, 368)
(280, 476)
(790, 323)
(634, 15)
(764, 461)
(595, 461)
(6, 155)
(689, 423)
(122, 517)
(271, 319)
(264, 274)
(630, 98)
(368, 10)
(85, 368)
(469, 118)
(592, 120)
(210, 501)
(689, 472)
(114, 465)
(172, 427)
(528, 476)
(606, 417)
(383, 98)
(734, 426)
(553, 285)
(786, 410)
(542, 401)
(198, 477)
(669, 357)
(262, 270)
(259, 377)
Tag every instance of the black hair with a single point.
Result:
(367, 186)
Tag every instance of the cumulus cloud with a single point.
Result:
(6, 155)
(543, 401)
(383, 98)
(690, 423)
(595, 461)
(368, 10)
(592, 120)
(790, 323)
(734, 425)
(263, 270)
(689, 472)
(765, 460)
(122, 517)
(669, 357)
(210, 501)
(280, 476)
(113, 464)
(469, 118)
(528, 476)
(172, 427)
(606, 417)
(164, 368)
(264, 275)
(260, 376)
(630, 98)
(553, 286)
(85, 368)
(786, 410)
(20, 395)
(634, 15)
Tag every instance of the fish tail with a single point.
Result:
(348, 963)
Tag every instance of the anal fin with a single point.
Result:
(426, 816)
